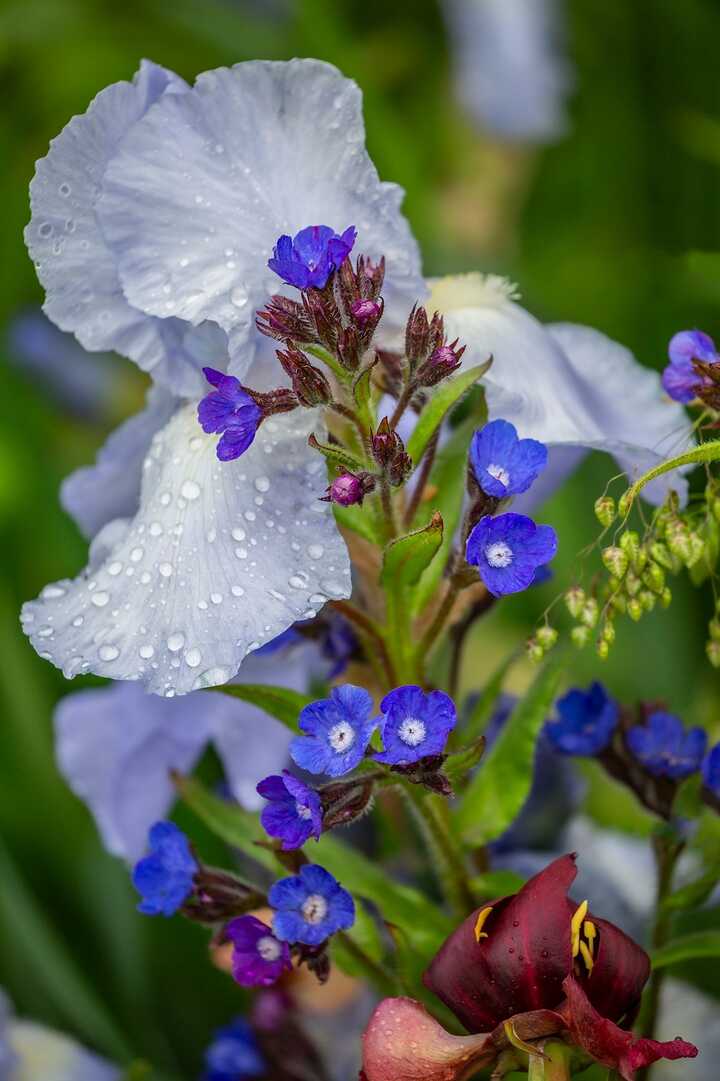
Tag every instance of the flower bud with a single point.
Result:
(624, 504)
(713, 653)
(547, 636)
(619, 603)
(605, 510)
(440, 364)
(632, 584)
(422, 337)
(662, 555)
(366, 311)
(385, 443)
(580, 636)
(309, 384)
(635, 609)
(666, 597)
(590, 612)
(574, 601)
(615, 560)
(534, 650)
(608, 632)
(630, 543)
(696, 550)
(602, 649)
(349, 489)
(654, 577)
(714, 628)
(647, 599)
(677, 536)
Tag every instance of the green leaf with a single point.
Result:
(279, 702)
(448, 395)
(459, 763)
(447, 478)
(694, 893)
(407, 557)
(337, 455)
(358, 519)
(698, 944)
(235, 825)
(688, 800)
(498, 884)
(499, 789)
(482, 709)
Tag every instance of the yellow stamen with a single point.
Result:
(590, 932)
(576, 924)
(587, 957)
(480, 922)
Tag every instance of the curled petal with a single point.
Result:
(219, 559)
(203, 187)
(521, 961)
(612, 1046)
(620, 971)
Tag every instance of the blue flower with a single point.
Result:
(164, 879)
(230, 410)
(711, 770)
(503, 464)
(259, 958)
(680, 379)
(508, 549)
(338, 730)
(666, 748)
(310, 906)
(234, 1054)
(415, 724)
(294, 812)
(308, 259)
(586, 721)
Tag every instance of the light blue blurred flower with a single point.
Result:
(32, 1052)
(153, 217)
(511, 71)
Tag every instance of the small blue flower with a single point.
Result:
(294, 812)
(711, 770)
(666, 748)
(164, 878)
(586, 721)
(508, 549)
(338, 730)
(308, 259)
(259, 958)
(234, 1054)
(310, 906)
(230, 410)
(415, 724)
(680, 379)
(503, 464)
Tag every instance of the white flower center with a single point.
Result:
(499, 554)
(412, 731)
(302, 811)
(499, 473)
(315, 908)
(341, 736)
(269, 948)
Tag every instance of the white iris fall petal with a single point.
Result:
(569, 386)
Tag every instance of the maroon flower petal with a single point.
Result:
(619, 974)
(522, 962)
(610, 1045)
(404, 1043)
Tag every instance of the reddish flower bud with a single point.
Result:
(349, 488)
(440, 364)
(309, 384)
(285, 319)
(422, 337)
(365, 311)
(281, 400)
(385, 443)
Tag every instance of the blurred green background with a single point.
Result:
(603, 227)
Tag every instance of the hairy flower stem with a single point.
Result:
(342, 375)
(446, 605)
(388, 509)
(369, 631)
(667, 853)
(444, 851)
(421, 482)
(402, 404)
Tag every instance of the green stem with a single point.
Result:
(667, 851)
(421, 481)
(402, 404)
(376, 973)
(397, 634)
(426, 642)
(388, 509)
(341, 374)
(556, 1065)
(444, 850)
(706, 452)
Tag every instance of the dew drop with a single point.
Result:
(115, 568)
(45, 230)
(146, 652)
(45, 632)
(165, 569)
(262, 484)
(239, 534)
(193, 658)
(241, 553)
(239, 296)
(137, 554)
(78, 621)
(100, 598)
(315, 551)
(155, 529)
(52, 592)
(216, 598)
(108, 653)
(212, 677)
(237, 591)
(175, 642)
(165, 499)
(190, 490)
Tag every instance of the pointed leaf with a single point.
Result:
(442, 401)
(337, 455)
(482, 708)
(698, 944)
(407, 557)
(279, 702)
(499, 789)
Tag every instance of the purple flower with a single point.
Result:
(307, 260)
(711, 770)
(508, 549)
(348, 489)
(310, 906)
(415, 724)
(365, 310)
(164, 878)
(680, 379)
(585, 723)
(666, 748)
(230, 410)
(259, 958)
(234, 1054)
(294, 812)
(503, 464)
(337, 731)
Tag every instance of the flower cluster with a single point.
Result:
(691, 374)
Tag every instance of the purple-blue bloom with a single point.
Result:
(259, 958)
(585, 723)
(308, 259)
(680, 379)
(503, 464)
(294, 811)
(711, 770)
(415, 724)
(165, 877)
(508, 549)
(666, 748)
(310, 906)
(337, 731)
(234, 1054)
(229, 409)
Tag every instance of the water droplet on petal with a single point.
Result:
(193, 658)
(108, 653)
(190, 490)
(100, 598)
(175, 642)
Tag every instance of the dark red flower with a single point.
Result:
(532, 962)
